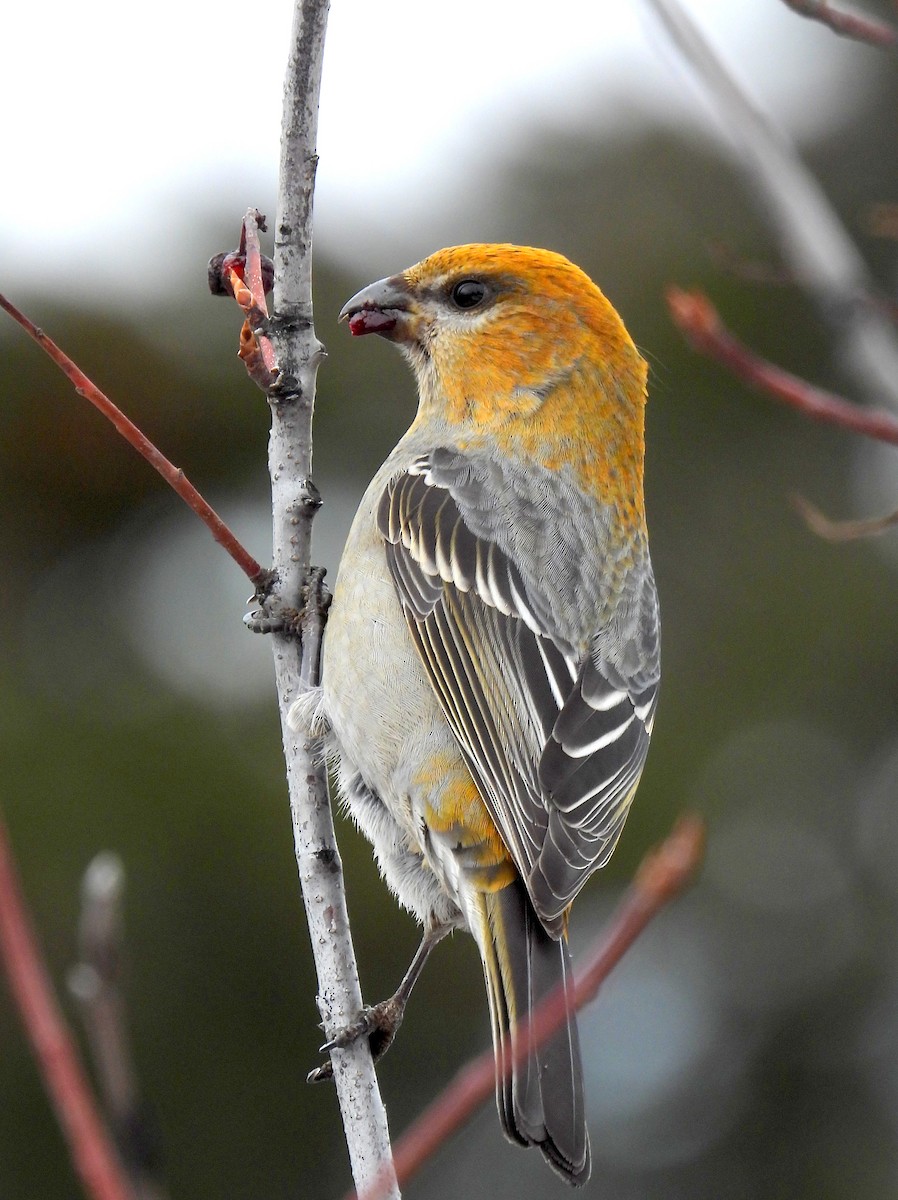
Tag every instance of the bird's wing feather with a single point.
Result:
(543, 659)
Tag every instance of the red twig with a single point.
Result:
(92, 1152)
(700, 322)
(848, 24)
(663, 874)
(173, 475)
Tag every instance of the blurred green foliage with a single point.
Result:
(766, 628)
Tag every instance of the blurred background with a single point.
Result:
(748, 1045)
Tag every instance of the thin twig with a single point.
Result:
(95, 982)
(172, 475)
(750, 270)
(701, 323)
(841, 531)
(881, 223)
(821, 255)
(93, 1154)
(663, 875)
(848, 24)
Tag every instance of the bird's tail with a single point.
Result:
(540, 1099)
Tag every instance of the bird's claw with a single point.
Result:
(378, 1022)
(316, 599)
(273, 617)
(287, 620)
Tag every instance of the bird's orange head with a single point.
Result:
(518, 345)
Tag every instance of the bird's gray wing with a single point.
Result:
(540, 638)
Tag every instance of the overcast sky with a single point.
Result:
(116, 114)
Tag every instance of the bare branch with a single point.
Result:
(749, 270)
(701, 323)
(881, 224)
(95, 983)
(93, 1154)
(294, 503)
(848, 24)
(841, 531)
(815, 244)
(172, 475)
(663, 874)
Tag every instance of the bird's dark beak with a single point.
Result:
(378, 307)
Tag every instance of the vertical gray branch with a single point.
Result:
(96, 984)
(813, 240)
(294, 502)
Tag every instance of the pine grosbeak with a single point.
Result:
(491, 662)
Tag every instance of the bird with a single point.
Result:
(491, 659)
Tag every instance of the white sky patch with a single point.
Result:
(117, 116)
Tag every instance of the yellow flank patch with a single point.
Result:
(455, 813)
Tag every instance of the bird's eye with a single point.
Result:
(468, 293)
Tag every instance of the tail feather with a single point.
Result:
(540, 1100)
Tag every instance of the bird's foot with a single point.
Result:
(316, 599)
(378, 1022)
(273, 617)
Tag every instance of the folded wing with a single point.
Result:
(540, 638)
